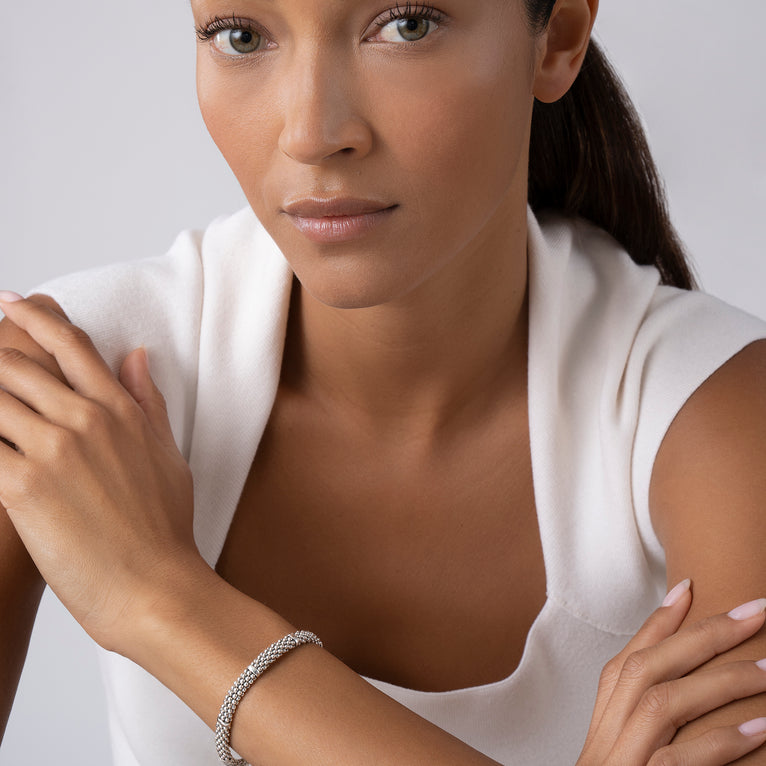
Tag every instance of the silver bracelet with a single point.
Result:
(249, 676)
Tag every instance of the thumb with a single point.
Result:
(137, 381)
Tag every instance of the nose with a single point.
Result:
(322, 117)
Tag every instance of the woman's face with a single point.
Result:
(379, 144)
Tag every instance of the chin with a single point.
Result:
(361, 274)
(355, 288)
(348, 296)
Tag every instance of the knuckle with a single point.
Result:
(610, 673)
(713, 741)
(125, 409)
(69, 335)
(708, 634)
(10, 357)
(734, 675)
(656, 701)
(58, 443)
(666, 756)
(91, 416)
(636, 666)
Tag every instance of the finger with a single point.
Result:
(11, 468)
(717, 746)
(137, 380)
(668, 706)
(672, 658)
(70, 346)
(19, 426)
(34, 386)
(661, 624)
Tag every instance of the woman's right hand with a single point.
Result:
(645, 695)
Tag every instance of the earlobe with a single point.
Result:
(562, 48)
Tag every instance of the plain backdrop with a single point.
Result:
(104, 158)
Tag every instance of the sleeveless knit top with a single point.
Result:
(613, 356)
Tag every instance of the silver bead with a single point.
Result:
(247, 678)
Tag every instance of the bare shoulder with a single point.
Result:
(708, 490)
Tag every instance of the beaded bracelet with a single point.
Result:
(249, 676)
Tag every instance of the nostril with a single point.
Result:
(316, 138)
(345, 151)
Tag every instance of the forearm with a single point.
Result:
(307, 708)
(13, 652)
(20, 590)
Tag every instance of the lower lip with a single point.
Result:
(340, 228)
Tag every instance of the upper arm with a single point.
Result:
(20, 583)
(708, 504)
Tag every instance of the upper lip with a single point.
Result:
(333, 207)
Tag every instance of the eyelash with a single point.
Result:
(219, 24)
(409, 10)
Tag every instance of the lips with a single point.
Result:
(336, 219)
(335, 207)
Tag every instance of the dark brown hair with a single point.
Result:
(589, 157)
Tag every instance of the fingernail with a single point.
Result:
(6, 296)
(751, 609)
(761, 664)
(753, 728)
(675, 595)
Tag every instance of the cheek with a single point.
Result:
(240, 120)
(464, 136)
(469, 133)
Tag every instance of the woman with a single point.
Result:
(405, 356)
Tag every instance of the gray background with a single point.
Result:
(105, 158)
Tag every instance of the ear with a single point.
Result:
(562, 47)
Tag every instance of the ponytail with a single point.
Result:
(589, 157)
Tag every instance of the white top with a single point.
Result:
(613, 356)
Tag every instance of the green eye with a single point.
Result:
(237, 42)
(409, 30)
(413, 29)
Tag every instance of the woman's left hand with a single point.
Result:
(96, 487)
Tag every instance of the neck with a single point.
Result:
(442, 351)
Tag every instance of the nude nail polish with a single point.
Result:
(674, 595)
(6, 296)
(753, 728)
(751, 609)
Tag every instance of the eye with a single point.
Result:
(409, 30)
(237, 42)
(232, 36)
(407, 23)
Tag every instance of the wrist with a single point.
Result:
(157, 601)
(195, 633)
